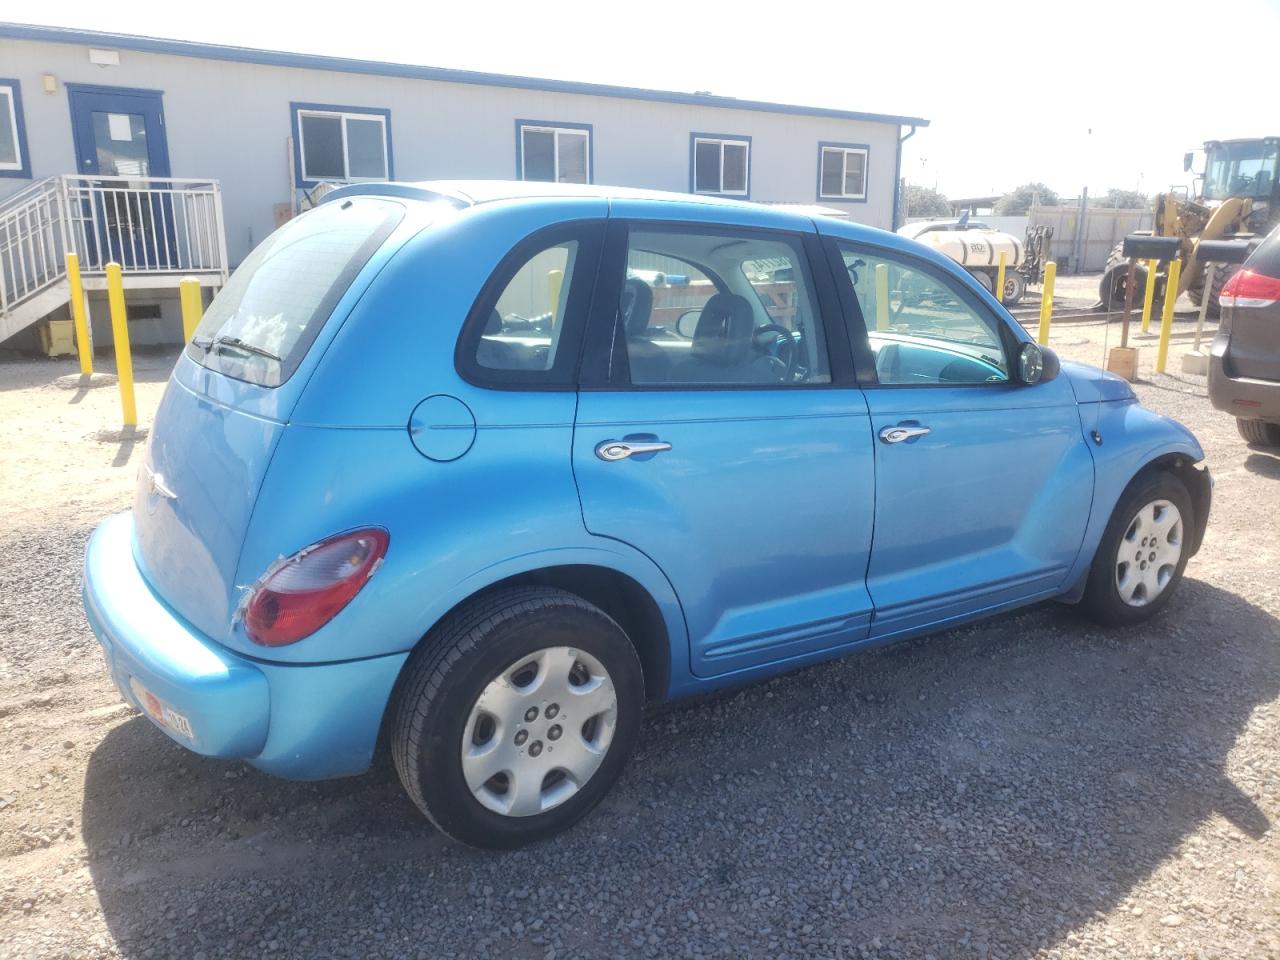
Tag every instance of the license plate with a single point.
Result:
(161, 712)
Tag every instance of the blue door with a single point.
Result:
(726, 438)
(120, 142)
(983, 485)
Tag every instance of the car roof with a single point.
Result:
(469, 192)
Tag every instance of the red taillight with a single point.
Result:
(300, 595)
(1249, 289)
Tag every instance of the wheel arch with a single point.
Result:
(1195, 478)
(632, 591)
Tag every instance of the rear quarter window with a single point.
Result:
(261, 324)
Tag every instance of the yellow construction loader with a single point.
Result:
(1237, 197)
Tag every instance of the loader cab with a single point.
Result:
(1241, 168)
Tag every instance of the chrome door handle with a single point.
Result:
(902, 431)
(613, 450)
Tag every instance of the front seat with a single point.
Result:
(722, 349)
(649, 362)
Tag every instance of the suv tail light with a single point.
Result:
(301, 593)
(1249, 289)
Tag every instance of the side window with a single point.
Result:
(920, 329)
(522, 330)
(719, 308)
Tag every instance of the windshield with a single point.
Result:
(1241, 170)
(260, 326)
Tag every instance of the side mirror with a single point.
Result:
(1187, 159)
(1037, 364)
(687, 323)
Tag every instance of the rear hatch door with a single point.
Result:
(231, 394)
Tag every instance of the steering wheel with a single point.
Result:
(782, 348)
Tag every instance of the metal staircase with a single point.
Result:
(160, 229)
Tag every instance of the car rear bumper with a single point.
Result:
(300, 721)
(1243, 397)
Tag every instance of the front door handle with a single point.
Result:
(614, 450)
(903, 431)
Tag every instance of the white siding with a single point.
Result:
(230, 121)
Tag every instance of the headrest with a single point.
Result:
(636, 306)
(723, 333)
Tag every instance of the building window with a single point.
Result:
(14, 161)
(553, 152)
(842, 172)
(721, 165)
(341, 143)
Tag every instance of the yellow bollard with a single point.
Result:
(882, 296)
(120, 334)
(555, 279)
(1046, 302)
(78, 313)
(1000, 279)
(1166, 319)
(1149, 297)
(192, 306)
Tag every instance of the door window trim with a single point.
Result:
(11, 116)
(562, 375)
(859, 332)
(604, 368)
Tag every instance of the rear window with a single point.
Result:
(260, 326)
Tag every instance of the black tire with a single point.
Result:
(445, 676)
(984, 278)
(1259, 432)
(1195, 292)
(1102, 601)
(1111, 288)
(1015, 285)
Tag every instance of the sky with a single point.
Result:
(1086, 94)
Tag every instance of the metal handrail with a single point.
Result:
(150, 225)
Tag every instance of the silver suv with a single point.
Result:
(1244, 361)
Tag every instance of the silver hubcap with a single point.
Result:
(538, 731)
(1149, 553)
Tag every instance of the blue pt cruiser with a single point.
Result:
(483, 467)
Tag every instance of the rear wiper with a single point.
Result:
(206, 343)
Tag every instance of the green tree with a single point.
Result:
(1019, 200)
(918, 201)
(1124, 198)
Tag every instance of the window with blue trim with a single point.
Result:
(14, 161)
(721, 166)
(343, 145)
(555, 154)
(844, 173)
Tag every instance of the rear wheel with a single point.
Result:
(1015, 285)
(1261, 432)
(516, 716)
(1143, 552)
(1220, 277)
(983, 278)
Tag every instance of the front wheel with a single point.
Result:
(516, 716)
(1143, 552)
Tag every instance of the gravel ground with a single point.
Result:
(1028, 787)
